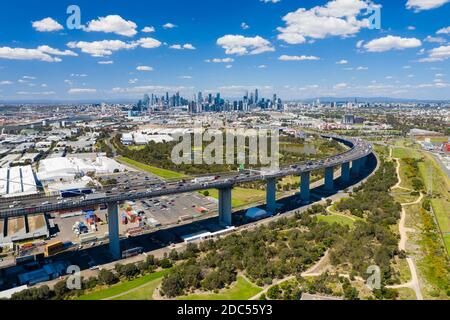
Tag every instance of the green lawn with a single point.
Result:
(403, 196)
(143, 293)
(241, 290)
(402, 153)
(163, 173)
(123, 287)
(441, 184)
(336, 219)
(241, 197)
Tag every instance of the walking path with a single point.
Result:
(414, 283)
(311, 272)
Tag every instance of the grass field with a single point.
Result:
(402, 153)
(163, 173)
(123, 287)
(143, 293)
(336, 219)
(242, 197)
(403, 196)
(440, 187)
(241, 290)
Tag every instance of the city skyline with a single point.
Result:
(280, 47)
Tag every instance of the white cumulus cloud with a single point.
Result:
(108, 47)
(112, 24)
(240, 45)
(392, 43)
(148, 29)
(169, 26)
(186, 46)
(437, 54)
(56, 52)
(297, 58)
(26, 54)
(218, 60)
(81, 90)
(337, 18)
(420, 5)
(444, 31)
(144, 68)
(47, 25)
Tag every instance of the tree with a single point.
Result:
(60, 289)
(350, 293)
(165, 263)
(274, 292)
(107, 277)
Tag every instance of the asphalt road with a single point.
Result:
(359, 149)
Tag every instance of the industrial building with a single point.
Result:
(23, 228)
(46, 273)
(144, 137)
(17, 181)
(69, 168)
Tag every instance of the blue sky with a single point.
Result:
(296, 48)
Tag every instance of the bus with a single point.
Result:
(132, 252)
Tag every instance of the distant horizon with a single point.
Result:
(323, 99)
(297, 49)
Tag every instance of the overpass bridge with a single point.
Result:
(350, 161)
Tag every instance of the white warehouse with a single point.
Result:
(70, 168)
(17, 181)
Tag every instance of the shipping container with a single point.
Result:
(53, 248)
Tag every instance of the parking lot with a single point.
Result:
(154, 213)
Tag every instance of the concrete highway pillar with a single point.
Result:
(113, 227)
(356, 167)
(329, 178)
(345, 172)
(225, 208)
(304, 186)
(271, 194)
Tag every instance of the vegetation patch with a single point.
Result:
(163, 173)
(242, 289)
(123, 287)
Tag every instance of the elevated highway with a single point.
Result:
(351, 162)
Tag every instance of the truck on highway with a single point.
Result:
(205, 179)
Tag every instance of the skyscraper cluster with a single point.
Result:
(201, 102)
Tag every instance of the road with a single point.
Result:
(359, 149)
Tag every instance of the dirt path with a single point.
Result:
(311, 272)
(403, 230)
(399, 183)
(414, 283)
